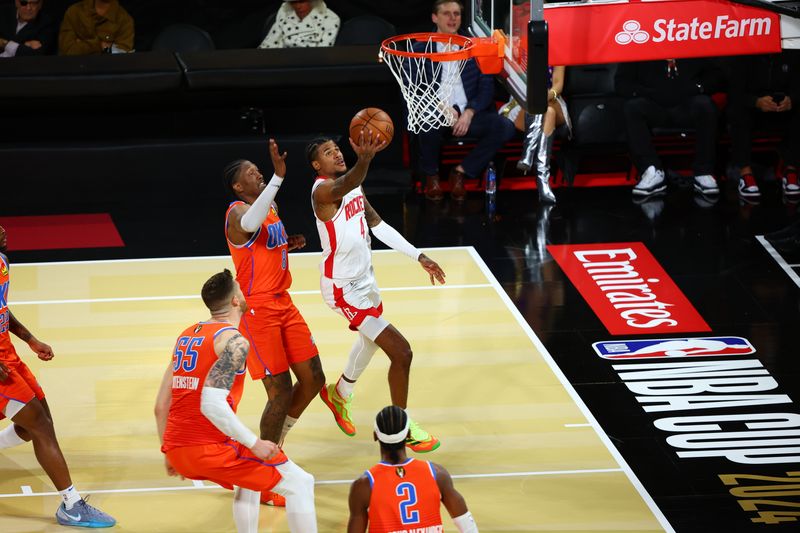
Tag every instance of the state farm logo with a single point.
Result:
(670, 30)
(632, 32)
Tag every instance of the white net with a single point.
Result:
(426, 84)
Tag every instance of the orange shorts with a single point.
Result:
(278, 335)
(227, 464)
(20, 385)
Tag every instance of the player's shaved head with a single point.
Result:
(218, 290)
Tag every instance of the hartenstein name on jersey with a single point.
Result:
(731, 388)
(354, 207)
(721, 27)
(429, 529)
(185, 382)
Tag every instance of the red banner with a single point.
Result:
(627, 288)
(586, 34)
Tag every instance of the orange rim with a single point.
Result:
(465, 44)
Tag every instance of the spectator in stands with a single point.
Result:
(25, 30)
(670, 93)
(302, 24)
(95, 27)
(539, 129)
(765, 95)
(472, 101)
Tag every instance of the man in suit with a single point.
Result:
(25, 31)
(472, 100)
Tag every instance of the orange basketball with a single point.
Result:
(375, 120)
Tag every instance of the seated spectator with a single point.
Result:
(472, 102)
(670, 93)
(302, 24)
(538, 143)
(764, 94)
(25, 31)
(95, 27)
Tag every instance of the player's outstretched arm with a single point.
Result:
(360, 492)
(41, 349)
(231, 348)
(331, 191)
(454, 502)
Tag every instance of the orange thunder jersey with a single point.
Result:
(193, 357)
(7, 351)
(405, 498)
(262, 263)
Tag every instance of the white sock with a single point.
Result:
(287, 425)
(70, 496)
(344, 387)
(9, 438)
(246, 506)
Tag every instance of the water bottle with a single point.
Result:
(491, 180)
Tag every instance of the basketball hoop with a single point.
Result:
(427, 65)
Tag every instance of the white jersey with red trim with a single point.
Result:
(345, 239)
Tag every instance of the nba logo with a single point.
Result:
(666, 348)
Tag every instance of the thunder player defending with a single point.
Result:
(344, 220)
(22, 400)
(278, 335)
(400, 494)
(200, 433)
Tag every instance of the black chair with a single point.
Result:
(183, 38)
(268, 23)
(365, 29)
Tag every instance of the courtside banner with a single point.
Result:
(627, 288)
(584, 34)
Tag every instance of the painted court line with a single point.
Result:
(198, 258)
(577, 425)
(199, 485)
(197, 297)
(779, 259)
(573, 394)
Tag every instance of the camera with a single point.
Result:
(778, 97)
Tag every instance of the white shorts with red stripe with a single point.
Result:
(359, 301)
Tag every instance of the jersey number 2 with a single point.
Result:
(409, 494)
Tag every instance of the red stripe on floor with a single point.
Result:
(53, 232)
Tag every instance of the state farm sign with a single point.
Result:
(640, 31)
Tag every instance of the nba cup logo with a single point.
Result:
(632, 32)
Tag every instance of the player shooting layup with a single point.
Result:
(344, 220)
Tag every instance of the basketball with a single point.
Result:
(374, 119)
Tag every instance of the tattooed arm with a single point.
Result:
(231, 349)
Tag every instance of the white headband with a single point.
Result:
(392, 439)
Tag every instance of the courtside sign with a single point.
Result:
(627, 288)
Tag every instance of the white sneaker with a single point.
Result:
(652, 182)
(706, 184)
(748, 187)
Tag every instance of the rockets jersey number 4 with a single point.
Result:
(345, 240)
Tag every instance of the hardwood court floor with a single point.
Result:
(525, 455)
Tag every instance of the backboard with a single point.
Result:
(513, 18)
